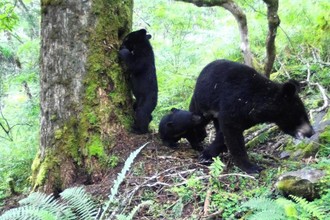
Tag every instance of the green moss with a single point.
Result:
(53, 117)
(325, 136)
(40, 169)
(92, 118)
(95, 147)
(59, 133)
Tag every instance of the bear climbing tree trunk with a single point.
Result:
(85, 99)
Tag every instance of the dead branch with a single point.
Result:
(211, 216)
(207, 202)
(258, 132)
(322, 91)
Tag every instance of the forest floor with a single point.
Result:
(158, 169)
(158, 174)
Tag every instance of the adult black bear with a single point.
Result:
(137, 53)
(181, 124)
(236, 97)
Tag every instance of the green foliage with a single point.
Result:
(120, 178)
(310, 208)
(39, 206)
(74, 203)
(265, 209)
(80, 202)
(282, 209)
(8, 17)
(216, 167)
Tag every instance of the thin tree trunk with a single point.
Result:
(240, 17)
(273, 23)
(85, 100)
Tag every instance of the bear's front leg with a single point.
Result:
(235, 143)
(216, 147)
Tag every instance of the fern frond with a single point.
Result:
(260, 203)
(48, 203)
(289, 207)
(265, 209)
(120, 178)
(80, 201)
(309, 207)
(269, 215)
(122, 174)
(27, 212)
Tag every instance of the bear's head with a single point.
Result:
(182, 120)
(178, 123)
(134, 39)
(292, 118)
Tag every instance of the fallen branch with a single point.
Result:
(207, 202)
(322, 91)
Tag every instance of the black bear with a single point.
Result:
(181, 124)
(136, 52)
(236, 97)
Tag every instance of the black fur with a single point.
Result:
(181, 124)
(235, 97)
(136, 51)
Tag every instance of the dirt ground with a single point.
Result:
(155, 169)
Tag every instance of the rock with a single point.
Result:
(284, 155)
(301, 183)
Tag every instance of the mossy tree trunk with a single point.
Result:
(85, 100)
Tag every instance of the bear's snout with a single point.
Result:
(305, 130)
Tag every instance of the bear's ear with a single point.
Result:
(169, 124)
(174, 110)
(290, 88)
(196, 119)
(143, 31)
(148, 36)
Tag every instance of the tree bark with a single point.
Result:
(85, 99)
(273, 23)
(240, 17)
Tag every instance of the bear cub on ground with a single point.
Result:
(181, 124)
(236, 97)
(136, 52)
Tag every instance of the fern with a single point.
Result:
(120, 179)
(266, 209)
(26, 212)
(79, 201)
(76, 204)
(39, 206)
(309, 207)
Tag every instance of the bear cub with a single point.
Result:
(181, 124)
(138, 56)
(236, 97)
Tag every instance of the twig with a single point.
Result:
(221, 176)
(207, 202)
(213, 214)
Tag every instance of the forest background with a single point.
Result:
(185, 38)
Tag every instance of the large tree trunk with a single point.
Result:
(85, 100)
(240, 17)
